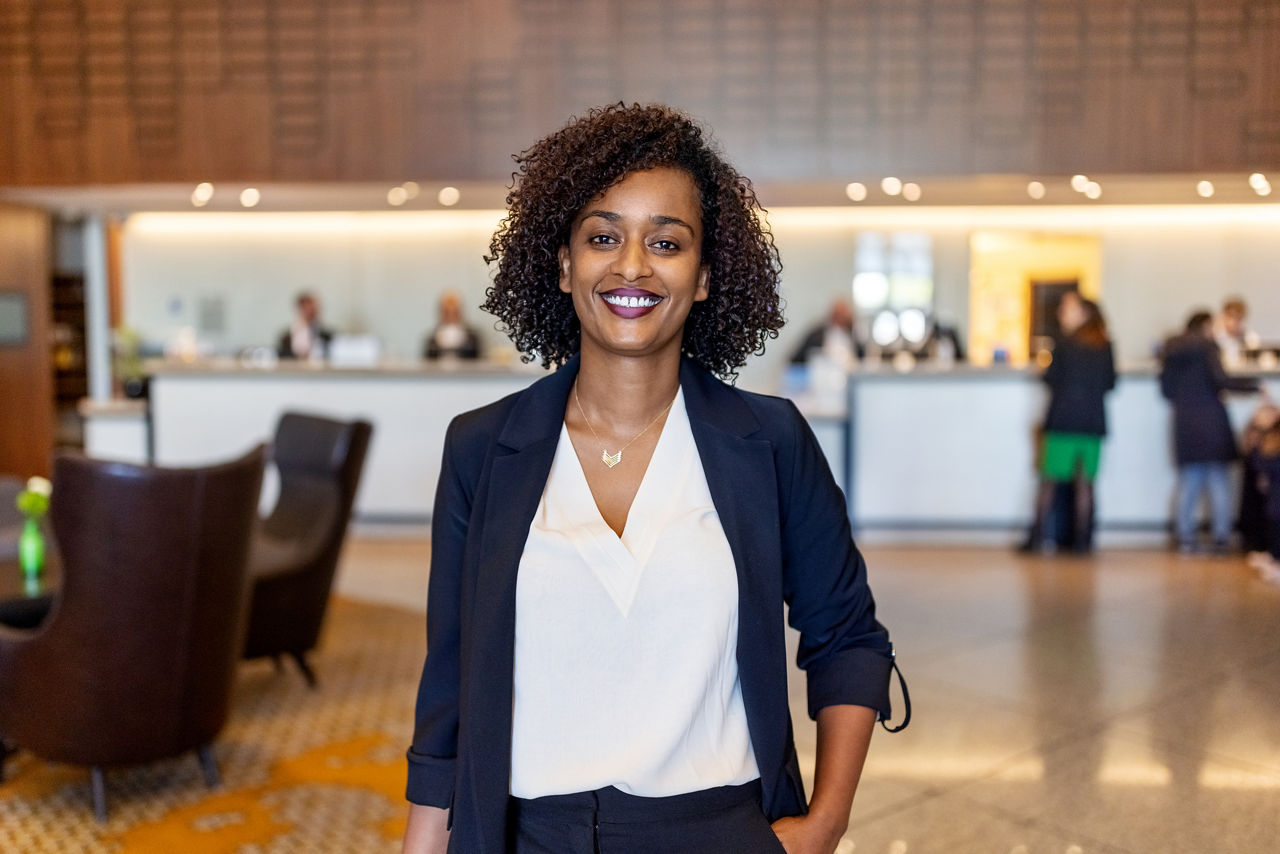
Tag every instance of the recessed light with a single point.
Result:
(201, 195)
(1080, 182)
(449, 196)
(891, 186)
(1204, 189)
(397, 196)
(911, 191)
(411, 189)
(856, 191)
(249, 197)
(1035, 190)
(1092, 190)
(1257, 179)
(1263, 189)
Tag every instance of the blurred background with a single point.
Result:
(215, 212)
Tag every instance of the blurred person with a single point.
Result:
(1268, 465)
(836, 338)
(1234, 338)
(1254, 533)
(452, 337)
(1193, 380)
(1079, 377)
(306, 337)
(606, 665)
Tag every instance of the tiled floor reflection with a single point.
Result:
(1128, 702)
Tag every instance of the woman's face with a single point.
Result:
(633, 263)
(1071, 314)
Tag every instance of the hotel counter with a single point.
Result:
(216, 409)
(951, 453)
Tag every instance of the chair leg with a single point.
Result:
(307, 672)
(6, 750)
(209, 766)
(99, 782)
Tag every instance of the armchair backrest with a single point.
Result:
(138, 657)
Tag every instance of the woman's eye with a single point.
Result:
(600, 239)
(666, 245)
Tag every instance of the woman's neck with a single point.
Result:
(622, 393)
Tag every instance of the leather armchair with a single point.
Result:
(137, 658)
(296, 548)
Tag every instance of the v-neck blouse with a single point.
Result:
(626, 668)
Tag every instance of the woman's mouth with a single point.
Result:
(630, 302)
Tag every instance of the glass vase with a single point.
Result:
(31, 550)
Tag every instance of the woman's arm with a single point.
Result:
(844, 734)
(427, 831)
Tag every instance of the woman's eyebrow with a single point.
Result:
(660, 219)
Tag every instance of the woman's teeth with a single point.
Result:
(631, 302)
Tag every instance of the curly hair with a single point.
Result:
(559, 175)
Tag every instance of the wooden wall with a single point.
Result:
(26, 371)
(189, 90)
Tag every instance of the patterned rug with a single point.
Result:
(303, 770)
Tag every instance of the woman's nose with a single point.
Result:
(632, 261)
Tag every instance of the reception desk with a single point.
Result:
(924, 455)
(215, 410)
(951, 454)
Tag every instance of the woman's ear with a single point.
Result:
(566, 266)
(704, 283)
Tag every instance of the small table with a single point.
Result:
(23, 608)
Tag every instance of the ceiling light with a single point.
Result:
(1257, 179)
(1092, 189)
(1035, 190)
(397, 196)
(891, 186)
(1204, 189)
(203, 193)
(1079, 182)
(449, 196)
(411, 189)
(856, 191)
(249, 197)
(197, 200)
(911, 191)
(1263, 189)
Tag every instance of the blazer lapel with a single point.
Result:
(517, 476)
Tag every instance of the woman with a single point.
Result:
(612, 547)
(1079, 377)
(1192, 379)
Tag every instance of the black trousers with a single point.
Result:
(607, 821)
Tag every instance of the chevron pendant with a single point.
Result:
(609, 459)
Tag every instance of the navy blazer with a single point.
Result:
(786, 524)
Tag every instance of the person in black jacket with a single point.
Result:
(1081, 373)
(1193, 380)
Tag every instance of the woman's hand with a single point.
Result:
(427, 831)
(808, 834)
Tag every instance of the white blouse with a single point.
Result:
(626, 669)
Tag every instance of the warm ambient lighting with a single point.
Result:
(1204, 189)
(249, 197)
(891, 186)
(268, 226)
(1093, 190)
(411, 189)
(1257, 180)
(397, 196)
(1079, 183)
(201, 195)
(1035, 190)
(1263, 190)
(856, 191)
(449, 196)
(911, 191)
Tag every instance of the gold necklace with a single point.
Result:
(607, 458)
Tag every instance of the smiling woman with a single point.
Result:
(612, 547)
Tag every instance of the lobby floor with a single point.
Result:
(1128, 702)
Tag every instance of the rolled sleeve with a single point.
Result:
(430, 780)
(855, 677)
